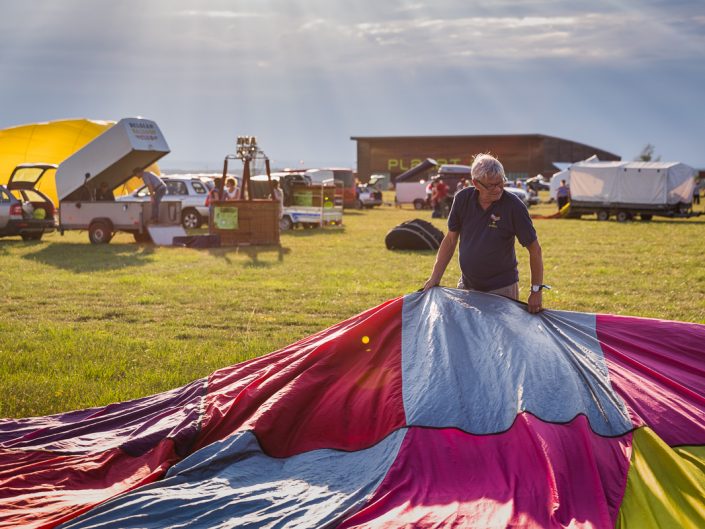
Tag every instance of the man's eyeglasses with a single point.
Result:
(490, 187)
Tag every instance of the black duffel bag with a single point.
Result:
(414, 234)
(198, 241)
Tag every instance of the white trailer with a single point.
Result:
(307, 203)
(627, 189)
(413, 193)
(416, 193)
(112, 158)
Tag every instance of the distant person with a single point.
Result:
(696, 192)
(104, 194)
(462, 184)
(487, 220)
(440, 192)
(429, 192)
(231, 192)
(532, 194)
(214, 196)
(157, 190)
(278, 195)
(562, 195)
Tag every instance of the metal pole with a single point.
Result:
(221, 186)
(246, 181)
(269, 178)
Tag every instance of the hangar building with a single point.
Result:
(523, 155)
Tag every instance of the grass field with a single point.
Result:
(84, 325)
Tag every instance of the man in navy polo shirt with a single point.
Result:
(487, 220)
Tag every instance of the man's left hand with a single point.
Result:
(535, 302)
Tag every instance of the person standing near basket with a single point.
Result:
(231, 192)
(278, 195)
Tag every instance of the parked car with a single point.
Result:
(191, 192)
(368, 197)
(538, 183)
(24, 210)
(527, 198)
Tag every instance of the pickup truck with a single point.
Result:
(191, 192)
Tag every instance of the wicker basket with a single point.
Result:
(246, 222)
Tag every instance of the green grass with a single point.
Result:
(84, 325)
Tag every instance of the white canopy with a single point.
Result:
(628, 182)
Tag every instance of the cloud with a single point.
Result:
(586, 37)
(399, 35)
(412, 34)
(218, 14)
(401, 66)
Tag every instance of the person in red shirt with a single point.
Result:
(440, 192)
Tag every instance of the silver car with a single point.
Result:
(24, 210)
(190, 191)
(368, 197)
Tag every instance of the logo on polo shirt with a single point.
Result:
(493, 220)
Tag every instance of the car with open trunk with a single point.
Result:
(24, 210)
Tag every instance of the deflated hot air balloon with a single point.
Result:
(51, 142)
(440, 409)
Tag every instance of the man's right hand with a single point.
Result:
(443, 257)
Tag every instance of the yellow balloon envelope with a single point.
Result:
(52, 142)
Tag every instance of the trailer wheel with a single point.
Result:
(191, 219)
(285, 223)
(603, 214)
(646, 217)
(623, 216)
(100, 232)
(419, 204)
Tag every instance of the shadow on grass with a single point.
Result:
(4, 245)
(93, 257)
(314, 232)
(414, 252)
(662, 220)
(253, 252)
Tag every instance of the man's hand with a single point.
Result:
(445, 253)
(535, 302)
(428, 285)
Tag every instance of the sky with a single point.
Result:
(306, 75)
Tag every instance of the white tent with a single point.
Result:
(564, 174)
(627, 182)
(656, 183)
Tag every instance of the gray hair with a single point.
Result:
(485, 166)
